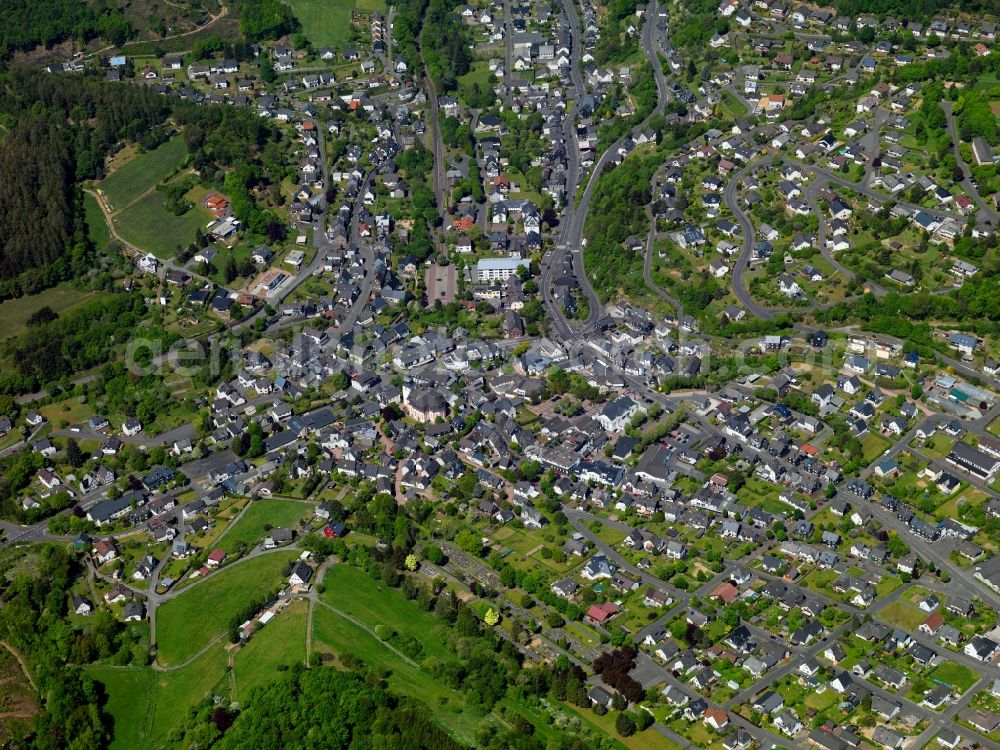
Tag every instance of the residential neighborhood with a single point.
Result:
(642, 356)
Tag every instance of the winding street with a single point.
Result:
(985, 212)
(647, 262)
(731, 199)
(574, 219)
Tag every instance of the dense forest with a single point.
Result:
(417, 165)
(75, 341)
(36, 195)
(59, 131)
(237, 152)
(265, 19)
(406, 25)
(444, 45)
(618, 211)
(25, 24)
(320, 708)
(324, 708)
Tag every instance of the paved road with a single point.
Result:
(985, 212)
(731, 198)
(869, 192)
(810, 197)
(554, 262)
(574, 219)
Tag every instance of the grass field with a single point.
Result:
(97, 227)
(61, 298)
(354, 592)
(69, 410)
(176, 692)
(873, 446)
(148, 225)
(129, 692)
(327, 23)
(249, 530)
(147, 705)
(733, 106)
(136, 176)
(903, 616)
(479, 73)
(281, 641)
(959, 676)
(189, 622)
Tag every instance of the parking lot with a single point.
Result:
(440, 281)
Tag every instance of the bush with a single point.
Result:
(625, 725)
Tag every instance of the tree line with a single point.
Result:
(77, 340)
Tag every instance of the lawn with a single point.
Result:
(582, 633)
(129, 691)
(649, 739)
(938, 446)
(61, 298)
(190, 621)
(327, 23)
(139, 174)
(903, 616)
(145, 704)
(958, 676)
(820, 580)
(97, 227)
(69, 410)
(610, 535)
(732, 105)
(281, 642)
(149, 226)
(887, 585)
(479, 73)
(250, 530)
(873, 446)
